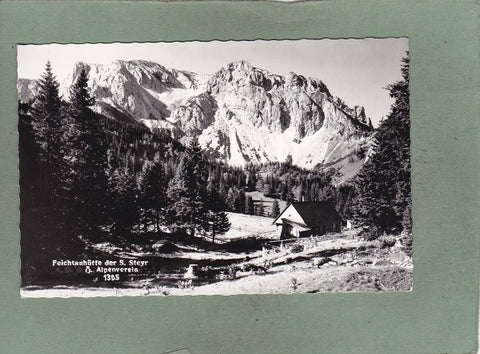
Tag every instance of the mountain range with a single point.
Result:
(240, 114)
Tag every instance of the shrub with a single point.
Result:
(297, 248)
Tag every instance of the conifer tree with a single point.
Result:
(80, 98)
(230, 201)
(48, 117)
(240, 201)
(289, 160)
(215, 199)
(29, 152)
(260, 208)
(216, 221)
(46, 109)
(186, 205)
(289, 192)
(87, 155)
(219, 223)
(46, 122)
(250, 207)
(200, 169)
(383, 184)
(32, 225)
(275, 209)
(153, 194)
(283, 192)
(125, 195)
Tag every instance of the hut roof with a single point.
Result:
(315, 214)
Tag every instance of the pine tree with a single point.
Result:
(383, 185)
(217, 220)
(219, 223)
(290, 198)
(289, 160)
(48, 118)
(46, 110)
(46, 122)
(230, 201)
(275, 209)
(240, 201)
(269, 187)
(32, 224)
(301, 194)
(86, 152)
(186, 204)
(249, 207)
(153, 196)
(80, 98)
(260, 208)
(216, 200)
(251, 180)
(283, 192)
(199, 168)
(124, 193)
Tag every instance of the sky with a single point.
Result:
(356, 70)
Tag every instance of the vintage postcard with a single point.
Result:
(215, 168)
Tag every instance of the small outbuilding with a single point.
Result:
(302, 219)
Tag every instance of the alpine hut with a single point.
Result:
(301, 219)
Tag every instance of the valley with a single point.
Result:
(240, 181)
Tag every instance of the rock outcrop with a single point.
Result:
(240, 114)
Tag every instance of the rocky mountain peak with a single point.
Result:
(240, 114)
(240, 65)
(77, 68)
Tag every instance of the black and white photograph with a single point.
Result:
(215, 168)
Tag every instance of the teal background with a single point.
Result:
(439, 315)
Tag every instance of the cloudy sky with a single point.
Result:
(357, 70)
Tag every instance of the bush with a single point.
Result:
(370, 233)
(297, 248)
(387, 241)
